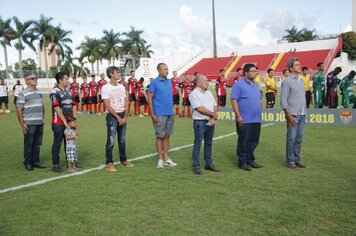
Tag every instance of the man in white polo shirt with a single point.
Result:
(115, 100)
(205, 114)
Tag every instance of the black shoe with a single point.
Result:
(197, 171)
(39, 166)
(255, 165)
(57, 169)
(212, 168)
(29, 167)
(245, 166)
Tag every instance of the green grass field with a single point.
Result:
(274, 200)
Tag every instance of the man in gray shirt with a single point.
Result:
(30, 113)
(294, 106)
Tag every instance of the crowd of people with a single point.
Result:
(162, 105)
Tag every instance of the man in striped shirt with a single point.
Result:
(30, 113)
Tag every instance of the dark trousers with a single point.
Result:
(249, 136)
(206, 132)
(32, 143)
(58, 137)
(113, 127)
(308, 98)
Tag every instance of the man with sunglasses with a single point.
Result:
(30, 113)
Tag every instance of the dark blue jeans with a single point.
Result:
(113, 127)
(249, 136)
(202, 131)
(58, 137)
(294, 139)
(32, 143)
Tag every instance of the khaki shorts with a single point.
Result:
(164, 127)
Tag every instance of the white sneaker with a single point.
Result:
(169, 162)
(7, 111)
(160, 164)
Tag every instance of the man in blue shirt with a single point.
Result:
(160, 101)
(246, 103)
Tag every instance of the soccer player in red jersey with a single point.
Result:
(220, 87)
(239, 74)
(141, 98)
(132, 93)
(74, 89)
(101, 83)
(84, 90)
(93, 95)
(175, 92)
(123, 82)
(186, 87)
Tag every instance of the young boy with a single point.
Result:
(71, 141)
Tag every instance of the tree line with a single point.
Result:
(54, 39)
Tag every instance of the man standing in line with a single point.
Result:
(101, 83)
(74, 89)
(160, 101)
(30, 113)
(18, 87)
(347, 89)
(271, 89)
(175, 91)
(332, 82)
(62, 107)
(4, 96)
(205, 114)
(246, 103)
(220, 87)
(319, 87)
(115, 100)
(294, 106)
(308, 93)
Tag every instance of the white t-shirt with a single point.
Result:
(116, 94)
(3, 90)
(17, 89)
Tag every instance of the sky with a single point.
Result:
(172, 26)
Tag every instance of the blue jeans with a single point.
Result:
(294, 139)
(249, 136)
(202, 130)
(32, 143)
(58, 138)
(113, 127)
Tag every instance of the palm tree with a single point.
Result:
(59, 39)
(134, 44)
(294, 35)
(6, 35)
(147, 51)
(42, 29)
(92, 49)
(80, 69)
(24, 36)
(112, 43)
(68, 64)
(308, 35)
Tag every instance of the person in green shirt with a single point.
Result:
(347, 89)
(319, 87)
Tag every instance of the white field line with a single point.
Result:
(43, 181)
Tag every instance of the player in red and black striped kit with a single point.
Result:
(175, 92)
(186, 87)
(74, 89)
(132, 93)
(220, 87)
(140, 95)
(84, 89)
(101, 83)
(93, 94)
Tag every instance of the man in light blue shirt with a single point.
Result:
(246, 103)
(160, 101)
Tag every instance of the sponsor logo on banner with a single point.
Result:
(346, 117)
(145, 62)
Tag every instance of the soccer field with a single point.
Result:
(274, 200)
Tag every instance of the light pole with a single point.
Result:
(214, 32)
